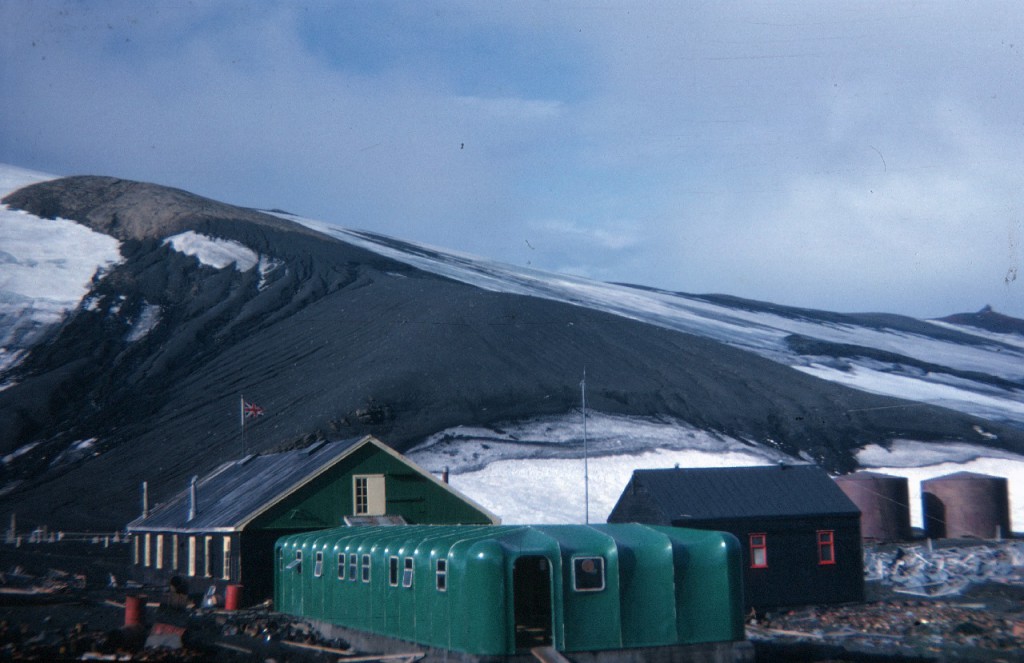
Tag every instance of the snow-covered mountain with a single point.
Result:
(133, 319)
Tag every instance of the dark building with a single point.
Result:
(966, 504)
(799, 533)
(221, 529)
(884, 503)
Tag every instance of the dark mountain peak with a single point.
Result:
(130, 210)
(988, 319)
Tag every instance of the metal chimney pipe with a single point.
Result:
(192, 499)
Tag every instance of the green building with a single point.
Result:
(221, 529)
(503, 590)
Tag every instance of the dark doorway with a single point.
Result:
(531, 589)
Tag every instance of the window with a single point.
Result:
(298, 562)
(159, 551)
(341, 566)
(318, 566)
(366, 568)
(368, 495)
(588, 574)
(136, 546)
(442, 575)
(174, 552)
(146, 551)
(226, 550)
(353, 567)
(826, 546)
(393, 571)
(191, 556)
(407, 573)
(207, 557)
(758, 551)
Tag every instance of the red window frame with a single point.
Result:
(826, 547)
(758, 550)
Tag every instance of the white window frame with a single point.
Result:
(225, 573)
(408, 572)
(369, 497)
(341, 566)
(365, 569)
(145, 551)
(207, 557)
(393, 570)
(604, 571)
(192, 556)
(159, 551)
(318, 564)
(174, 552)
(441, 575)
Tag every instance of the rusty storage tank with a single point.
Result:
(884, 503)
(966, 504)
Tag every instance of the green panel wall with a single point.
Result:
(326, 500)
(662, 585)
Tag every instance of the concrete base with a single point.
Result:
(713, 652)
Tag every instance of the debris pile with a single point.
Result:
(913, 627)
(927, 572)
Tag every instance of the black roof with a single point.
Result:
(716, 493)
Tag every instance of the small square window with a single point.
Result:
(758, 551)
(366, 568)
(407, 573)
(442, 575)
(588, 574)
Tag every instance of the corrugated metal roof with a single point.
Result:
(742, 492)
(238, 490)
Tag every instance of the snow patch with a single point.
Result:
(20, 451)
(532, 471)
(46, 267)
(213, 251)
(148, 319)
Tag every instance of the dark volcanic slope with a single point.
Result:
(338, 342)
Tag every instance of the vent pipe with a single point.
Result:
(192, 499)
(145, 499)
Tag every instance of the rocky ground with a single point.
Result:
(57, 602)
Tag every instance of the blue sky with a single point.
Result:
(855, 156)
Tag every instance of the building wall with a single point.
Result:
(327, 500)
(794, 574)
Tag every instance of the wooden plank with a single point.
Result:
(548, 654)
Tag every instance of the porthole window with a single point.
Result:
(588, 574)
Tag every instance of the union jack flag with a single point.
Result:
(252, 410)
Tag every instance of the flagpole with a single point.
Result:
(586, 468)
(241, 413)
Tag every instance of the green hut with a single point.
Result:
(572, 587)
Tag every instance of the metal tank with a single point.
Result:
(966, 504)
(884, 503)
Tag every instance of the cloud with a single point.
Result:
(859, 156)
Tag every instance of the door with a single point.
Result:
(531, 590)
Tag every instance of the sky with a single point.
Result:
(848, 156)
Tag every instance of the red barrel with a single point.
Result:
(134, 610)
(232, 597)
